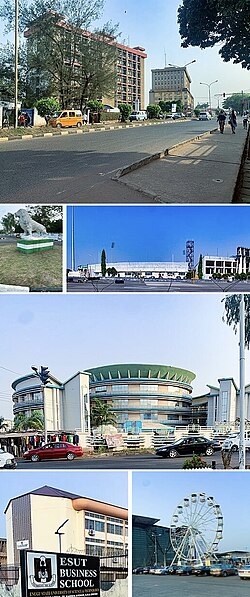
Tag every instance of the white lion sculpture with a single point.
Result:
(28, 225)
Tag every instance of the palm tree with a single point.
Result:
(101, 414)
(23, 423)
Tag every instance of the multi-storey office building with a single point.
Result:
(144, 395)
(92, 527)
(171, 84)
(236, 264)
(128, 65)
(150, 543)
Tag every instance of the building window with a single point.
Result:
(101, 389)
(148, 388)
(224, 406)
(94, 525)
(147, 403)
(120, 389)
(120, 404)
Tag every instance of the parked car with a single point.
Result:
(177, 115)
(232, 442)
(184, 570)
(201, 570)
(244, 572)
(163, 571)
(54, 450)
(223, 570)
(7, 460)
(189, 445)
(66, 118)
(138, 570)
(141, 115)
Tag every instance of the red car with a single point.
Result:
(54, 450)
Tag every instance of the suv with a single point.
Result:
(205, 116)
(232, 442)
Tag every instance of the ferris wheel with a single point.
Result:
(196, 529)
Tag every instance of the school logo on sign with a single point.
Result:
(42, 571)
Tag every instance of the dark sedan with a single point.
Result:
(189, 446)
(53, 451)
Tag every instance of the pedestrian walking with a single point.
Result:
(221, 120)
(245, 120)
(233, 121)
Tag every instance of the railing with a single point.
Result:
(9, 576)
(113, 568)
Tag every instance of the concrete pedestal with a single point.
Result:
(34, 244)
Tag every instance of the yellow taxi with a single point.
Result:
(66, 118)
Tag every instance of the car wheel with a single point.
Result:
(35, 458)
(224, 574)
(79, 124)
(70, 456)
(172, 453)
(58, 126)
(209, 451)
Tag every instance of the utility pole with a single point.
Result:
(16, 66)
(242, 447)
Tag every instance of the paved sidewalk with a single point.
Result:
(203, 171)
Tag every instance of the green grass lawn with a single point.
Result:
(40, 270)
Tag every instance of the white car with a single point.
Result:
(7, 460)
(232, 442)
(244, 572)
(205, 116)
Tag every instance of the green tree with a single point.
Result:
(238, 102)
(111, 271)
(64, 61)
(8, 223)
(101, 414)
(103, 263)
(153, 110)
(200, 272)
(48, 215)
(232, 313)
(95, 105)
(165, 106)
(204, 23)
(47, 106)
(125, 110)
(34, 422)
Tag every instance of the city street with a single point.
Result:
(79, 168)
(112, 285)
(147, 585)
(116, 461)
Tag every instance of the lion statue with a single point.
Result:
(28, 225)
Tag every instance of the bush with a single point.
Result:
(195, 462)
(109, 116)
(125, 110)
(153, 111)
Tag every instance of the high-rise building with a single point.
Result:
(171, 84)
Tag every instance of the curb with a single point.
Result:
(84, 132)
(239, 181)
(157, 156)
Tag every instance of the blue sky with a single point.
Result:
(75, 332)
(107, 486)
(154, 27)
(152, 233)
(157, 494)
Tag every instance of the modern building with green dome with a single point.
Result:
(144, 396)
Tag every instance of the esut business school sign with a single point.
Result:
(45, 574)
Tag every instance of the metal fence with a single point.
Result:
(112, 568)
(9, 575)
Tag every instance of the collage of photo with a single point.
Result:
(124, 298)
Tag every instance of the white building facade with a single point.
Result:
(171, 84)
(92, 527)
(137, 269)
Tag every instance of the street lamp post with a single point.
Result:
(209, 85)
(16, 66)
(57, 532)
(242, 450)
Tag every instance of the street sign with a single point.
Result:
(46, 574)
(24, 544)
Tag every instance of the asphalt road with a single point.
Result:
(109, 285)
(79, 168)
(146, 585)
(130, 462)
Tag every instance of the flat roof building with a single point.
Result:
(150, 543)
(136, 269)
(171, 84)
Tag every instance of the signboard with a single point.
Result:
(24, 544)
(174, 106)
(45, 574)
